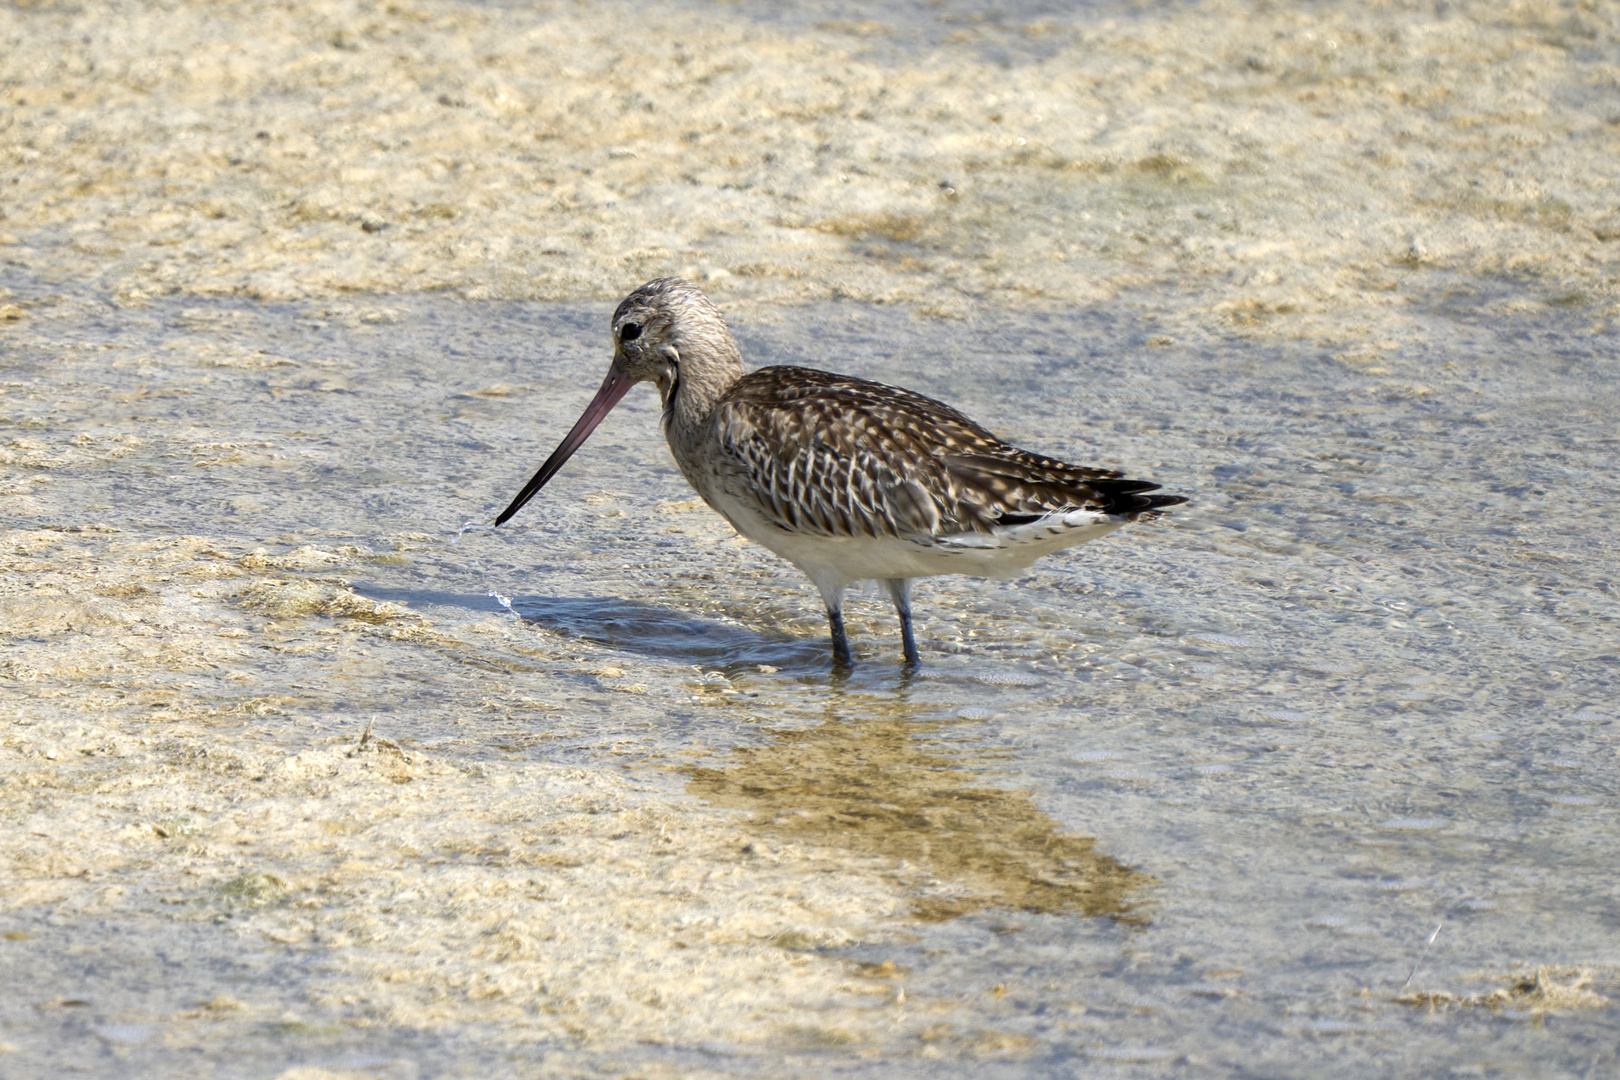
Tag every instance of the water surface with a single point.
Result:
(1194, 797)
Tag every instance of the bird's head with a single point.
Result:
(666, 332)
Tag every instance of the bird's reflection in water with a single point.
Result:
(876, 779)
(874, 774)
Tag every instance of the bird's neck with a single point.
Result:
(700, 382)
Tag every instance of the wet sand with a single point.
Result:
(300, 777)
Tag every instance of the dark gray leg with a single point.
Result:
(900, 589)
(835, 619)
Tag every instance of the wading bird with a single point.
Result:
(844, 478)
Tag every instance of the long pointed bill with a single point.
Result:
(614, 387)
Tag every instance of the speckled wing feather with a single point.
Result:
(832, 455)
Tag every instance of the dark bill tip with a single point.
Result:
(614, 387)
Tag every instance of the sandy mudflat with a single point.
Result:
(1313, 170)
(290, 293)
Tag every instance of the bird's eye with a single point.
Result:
(629, 331)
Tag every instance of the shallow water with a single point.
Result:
(1192, 797)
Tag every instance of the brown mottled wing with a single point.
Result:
(832, 455)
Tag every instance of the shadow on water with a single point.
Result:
(668, 634)
(876, 778)
(634, 626)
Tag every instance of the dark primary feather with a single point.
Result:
(839, 456)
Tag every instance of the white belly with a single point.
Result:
(833, 562)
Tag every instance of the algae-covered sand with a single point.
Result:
(1317, 167)
(292, 297)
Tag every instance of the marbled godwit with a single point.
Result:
(844, 478)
